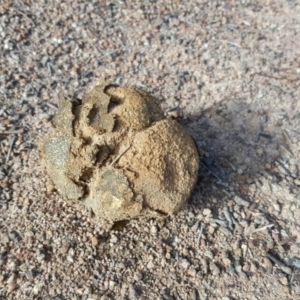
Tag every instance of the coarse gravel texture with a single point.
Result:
(229, 72)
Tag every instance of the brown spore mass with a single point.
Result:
(119, 156)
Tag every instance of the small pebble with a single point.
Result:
(12, 278)
(226, 261)
(150, 265)
(206, 212)
(237, 252)
(132, 293)
(235, 245)
(268, 265)
(238, 200)
(282, 170)
(238, 228)
(246, 267)
(259, 151)
(113, 239)
(173, 114)
(211, 229)
(50, 187)
(11, 287)
(185, 263)
(253, 268)
(71, 252)
(209, 254)
(283, 280)
(240, 171)
(276, 206)
(70, 259)
(29, 233)
(94, 241)
(185, 252)
(122, 266)
(40, 257)
(137, 276)
(4, 239)
(214, 269)
(13, 236)
(65, 248)
(297, 181)
(112, 284)
(225, 230)
(192, 272)
(153, 230)
(163, 262)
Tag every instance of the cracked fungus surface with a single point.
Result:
(117, 154)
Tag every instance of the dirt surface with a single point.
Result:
(229, 71)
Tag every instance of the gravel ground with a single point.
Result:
(229, 72)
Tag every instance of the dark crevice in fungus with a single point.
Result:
(86, 174)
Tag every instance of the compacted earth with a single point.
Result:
(229, 73)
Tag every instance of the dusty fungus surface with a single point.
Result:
(119, 156)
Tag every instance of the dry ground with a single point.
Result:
(229, 71)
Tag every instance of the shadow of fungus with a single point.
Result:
(246, 153)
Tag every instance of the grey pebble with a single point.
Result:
(238, 228)
(238, 200)
(227, 215)
(283, 170)
(225, 230)
(204, 266)
(185, 263)
(65, 247)
(296, 263)
(209, 254)
(132, 293)
(12, 278)
(297, 181)
(214, 269)
(4, 238)
(2, 174)
(29, 233)
(14, 236)
(296, 289)
(220, 222)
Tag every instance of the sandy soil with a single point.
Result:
(229, 72)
